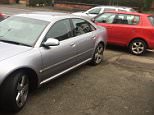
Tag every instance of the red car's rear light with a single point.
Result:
(4, 15)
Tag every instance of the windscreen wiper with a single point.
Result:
(13, 42)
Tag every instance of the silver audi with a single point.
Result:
(38, 47)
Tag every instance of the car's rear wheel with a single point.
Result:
(98, 54)
(15, 91)
(137, 47)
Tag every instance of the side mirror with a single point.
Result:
(93, 20)
(87, 13)
(51, 42)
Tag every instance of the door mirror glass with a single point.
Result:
(51, 42)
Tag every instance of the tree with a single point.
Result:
(147, 4)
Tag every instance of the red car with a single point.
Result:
(134, 30)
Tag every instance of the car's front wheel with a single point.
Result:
(98, 54)
(15, 91)
(137, 47)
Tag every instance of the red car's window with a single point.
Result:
(126, 19)
(151, 18)
(106, 18)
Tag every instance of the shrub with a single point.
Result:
(35, 2)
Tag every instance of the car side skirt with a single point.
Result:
(65, 71)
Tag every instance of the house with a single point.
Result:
(11, 1)
(7, 1)
(152, 6)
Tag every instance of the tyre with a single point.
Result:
(137, 47)
(98, 54)
(14, 91)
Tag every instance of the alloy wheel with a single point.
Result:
(22, 91)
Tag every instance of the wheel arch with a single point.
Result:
(33, 77)
(138, 38)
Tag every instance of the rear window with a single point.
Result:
(151, 18)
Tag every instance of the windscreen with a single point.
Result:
(21, 30)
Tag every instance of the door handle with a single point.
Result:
(73, 45)
(94, 37)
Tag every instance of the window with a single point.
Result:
(106, 18)
(61, 30)
(126, 19)
(81, 27)
(121, 10)
(151, 18)
(109, 9)
(94, 11)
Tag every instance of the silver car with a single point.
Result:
(93, 12)
(38, 47)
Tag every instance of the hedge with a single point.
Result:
(35, 2)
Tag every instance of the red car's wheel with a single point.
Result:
(137, 47)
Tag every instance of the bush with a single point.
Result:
(35, 2)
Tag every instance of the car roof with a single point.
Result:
(124, 7)
(133, 13)
(47, 16)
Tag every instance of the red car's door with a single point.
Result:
(121, 33)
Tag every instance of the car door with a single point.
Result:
(124, 28)
(58, 58)
(84, 36)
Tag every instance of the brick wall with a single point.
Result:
(152, 6)
(71, 6)
(7, 1)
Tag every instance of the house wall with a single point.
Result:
(152, 7)
(7, 1)
(11, 1)
(71, 6)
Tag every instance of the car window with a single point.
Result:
(151, 18)
(61, 30)
(109, 9)
(126, 19)
(94, 11)
(121, 10)
(82, 26)
(106, 18)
